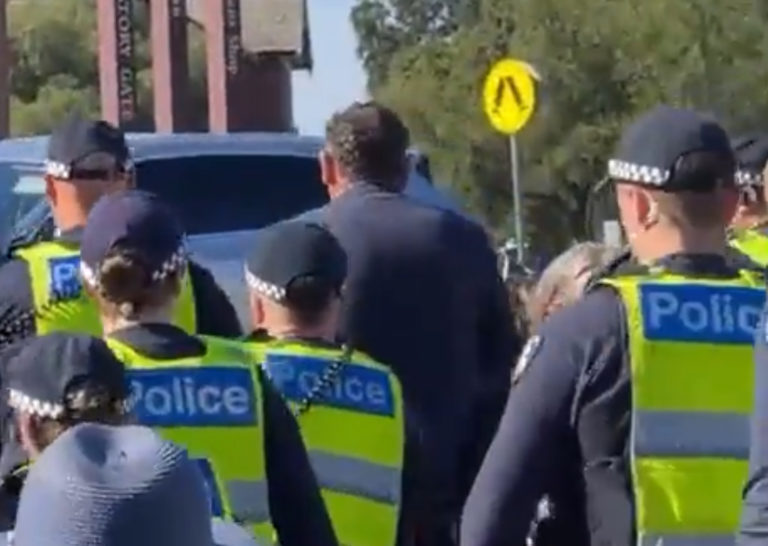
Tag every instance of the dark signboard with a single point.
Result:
(126, 70)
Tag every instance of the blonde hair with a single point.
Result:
(559, 283)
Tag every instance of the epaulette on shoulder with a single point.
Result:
(18, 326)
(23, 240)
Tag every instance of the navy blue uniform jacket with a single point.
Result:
(754, 517)
(423, 296)
(565, 429)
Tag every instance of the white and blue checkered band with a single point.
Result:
(632, 172)
(39, 408)
(266, 289)
(176, 262)
(746, 178)
(58, 169)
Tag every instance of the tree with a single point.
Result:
(55, 69)
(602, 62)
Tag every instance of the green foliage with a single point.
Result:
(55, 67)
(601, 62)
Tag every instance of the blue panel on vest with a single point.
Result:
(357, 387)
(217, 507)
(701, 314)
(193, 397)
(65, 276)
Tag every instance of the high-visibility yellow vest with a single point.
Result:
(353, 431)
(753, 243)
(690, 350)
(54, 269)
(213, 406)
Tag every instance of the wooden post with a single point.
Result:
(5, 72)
(170, 65)
(117, 72)
(224, 59)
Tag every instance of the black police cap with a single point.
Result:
(294, 249)
(43, 370)
(752, 156)
(650, 148)
(136, 220)
(77, 139)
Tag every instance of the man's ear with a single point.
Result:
(50, 189)
(328, 170)
(28, 434)
(647, 208)
(257, 311)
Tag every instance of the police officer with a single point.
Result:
(52, 383)
(205, 393)
(754, 241)
(750, 224)
(88, 159)
(630, 406)
(349, 407)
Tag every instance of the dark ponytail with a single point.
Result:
(126, 283)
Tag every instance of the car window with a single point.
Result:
(21, 188)
(231, 193)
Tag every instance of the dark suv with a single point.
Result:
(225, 187)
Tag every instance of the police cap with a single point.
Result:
(752, 156)
(651, 147)
(85, 149)
(294, 249)
(44, 371)
(136, 220)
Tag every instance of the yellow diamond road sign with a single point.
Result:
(509, 95)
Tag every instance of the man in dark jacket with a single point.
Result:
(423, 295)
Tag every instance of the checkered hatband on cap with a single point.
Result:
(58, 169)
(746, 178)
(266, 289)
(22, 402)
(632, 172)
(175, 262)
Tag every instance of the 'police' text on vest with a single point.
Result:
(700, 313)
(193, 397)
(356, 387)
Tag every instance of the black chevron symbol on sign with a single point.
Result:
(509, 83)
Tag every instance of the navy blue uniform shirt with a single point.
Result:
(423, 295)
(215, 314)
(295, 505)
(565, 429)
(754, 516)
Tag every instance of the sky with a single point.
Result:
(337, 78)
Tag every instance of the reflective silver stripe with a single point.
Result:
(356, 477)
(691, 434)
(687, 540)
(249, 500)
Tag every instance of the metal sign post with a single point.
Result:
(509, 100)
(516, 195)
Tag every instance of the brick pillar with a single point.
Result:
(5, 72)
(270, 77)
(170, 65)
(117, 72)
(224, 59)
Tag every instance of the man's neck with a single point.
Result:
(714, 243)
(296, 332)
